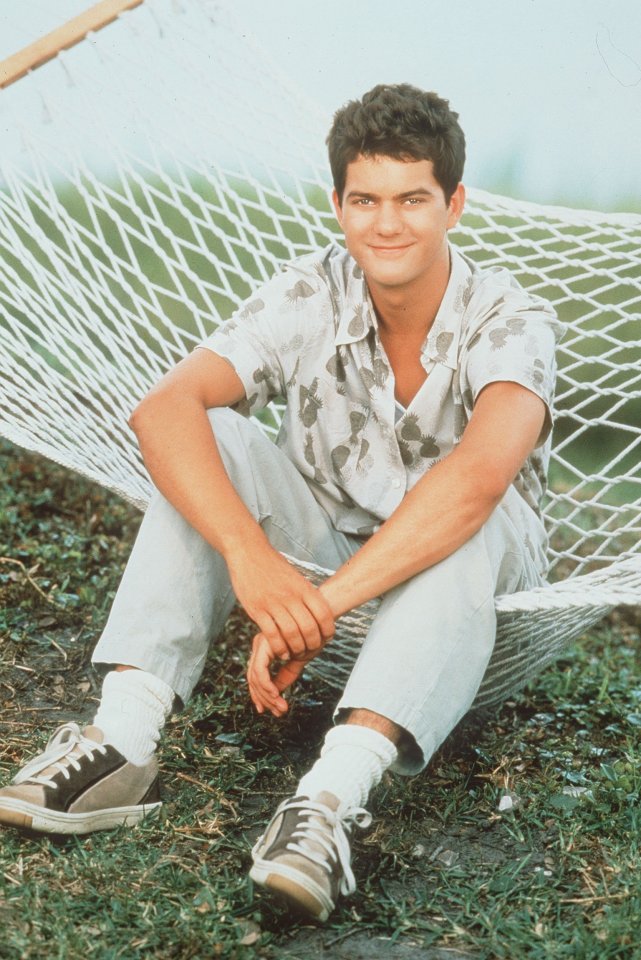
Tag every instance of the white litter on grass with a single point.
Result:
(448, 857)
(509, 801)
(578, 792)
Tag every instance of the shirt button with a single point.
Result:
(396, 483)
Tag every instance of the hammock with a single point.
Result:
(144, 196)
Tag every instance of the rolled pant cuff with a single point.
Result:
(123, 654)
(409, 761)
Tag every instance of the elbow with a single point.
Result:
(495, 488)
(140, 416)
(132, 420)
(492, 490)
(485, 490)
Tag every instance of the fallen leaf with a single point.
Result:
(509, 801)
(251, 932)
(448, 857)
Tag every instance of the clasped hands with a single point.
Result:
(294, 620)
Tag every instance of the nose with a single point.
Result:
(388, 220)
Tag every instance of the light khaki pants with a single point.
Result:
(426, 652)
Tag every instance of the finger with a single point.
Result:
(261, 652)
(307, 626)
(286, 620)
(271, 632)
(255, 698)
(288, 673)
(258, 698)
(278, 649)
(261, 694)
(263, 689)
(322, 613)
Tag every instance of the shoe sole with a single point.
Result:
(299, 891)
(28, 816)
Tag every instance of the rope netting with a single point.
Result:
(158, 171)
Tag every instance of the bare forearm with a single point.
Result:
(183, 460)
(431, 522)
(442, 512)
(450, 503)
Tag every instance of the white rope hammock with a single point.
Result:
(138, 207)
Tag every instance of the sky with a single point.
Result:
(548, 91)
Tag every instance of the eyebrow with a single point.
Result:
(419, 191)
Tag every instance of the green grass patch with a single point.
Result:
(557, 876)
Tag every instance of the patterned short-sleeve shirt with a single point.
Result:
(310, 335)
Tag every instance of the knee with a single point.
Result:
(240, 442)
(464, 577)
(228, 429)
(231, 430)
(225, 421)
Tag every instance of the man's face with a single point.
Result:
(395, 219)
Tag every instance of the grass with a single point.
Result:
(442, 869)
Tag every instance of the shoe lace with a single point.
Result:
(320, 826)
(66, 741)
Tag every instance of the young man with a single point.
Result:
(411, 461)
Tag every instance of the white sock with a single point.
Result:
(351, 763)
(132, 712)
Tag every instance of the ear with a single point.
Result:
(455, 209)
(338, 210)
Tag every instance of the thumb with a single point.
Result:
(288, 673)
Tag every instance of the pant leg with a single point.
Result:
(425, 655)
(175, 594)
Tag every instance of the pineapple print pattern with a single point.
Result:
(310, 335)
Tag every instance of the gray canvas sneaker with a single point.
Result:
(304, 854)
(78, 785)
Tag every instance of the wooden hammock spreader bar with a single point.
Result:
(70, 33)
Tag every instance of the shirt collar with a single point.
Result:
(358, 316)
(442, 342)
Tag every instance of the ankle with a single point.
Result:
(375, 721)
(132, 712)
(352, 762)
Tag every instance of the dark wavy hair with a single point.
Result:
(400, 121)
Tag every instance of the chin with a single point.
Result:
(389, 278)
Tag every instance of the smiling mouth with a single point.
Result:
(385, 250)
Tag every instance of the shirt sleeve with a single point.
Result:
(515, 341)
(261, 339)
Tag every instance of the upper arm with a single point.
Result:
(202, 376)
(513, 344)
(506, 425)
